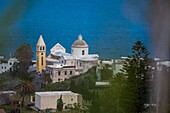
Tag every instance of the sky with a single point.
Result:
(109, 27)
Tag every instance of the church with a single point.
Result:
(62, 65)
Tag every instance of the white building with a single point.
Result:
(6, 65)
(62, 65)
(44, 100)
(118, 65)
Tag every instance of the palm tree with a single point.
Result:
(25, 86)
(45, 78)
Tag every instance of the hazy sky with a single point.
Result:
(118, 22)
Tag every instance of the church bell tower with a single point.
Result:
(40, 54)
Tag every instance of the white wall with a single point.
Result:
(78, 51)
(6, 66)
(50, 101)
(37, 101)
(55, 74)
(70, 62)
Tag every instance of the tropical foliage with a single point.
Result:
(45, 79)
(25, 86)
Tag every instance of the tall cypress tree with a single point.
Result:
(136, 70)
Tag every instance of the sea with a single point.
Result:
(110, 27)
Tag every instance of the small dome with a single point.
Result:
(80, 42)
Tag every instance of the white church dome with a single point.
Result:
(80, 42)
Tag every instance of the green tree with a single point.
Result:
(106, 73)
(3, 79)
(95, 104)
(49, 87)
(84, 84)
(9, 79)
(138, 79)
(112, 98)
(24, 55)
(45, 78)
(60, 104)
(79, 87)
(25, 86)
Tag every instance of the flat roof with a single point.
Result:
(166, 63)
(52, 60)
(54, 93)
(102, 83)
(55, 66)
(7, 92)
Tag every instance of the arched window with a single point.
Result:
(58, 72)
(40, 47)
(71, 72)
(42, 61)
(82, 52)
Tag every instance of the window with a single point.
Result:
(59, 79)
(80, 64)
(2, 67)
(70, 72)
(43, 48)
(41, 53)
(82, 52)
(10, 63)
(65, 72)
(40, 48)
(42, 61)
(59, 73)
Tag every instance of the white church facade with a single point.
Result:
(62, 65)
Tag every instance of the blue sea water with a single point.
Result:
(110, 27)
